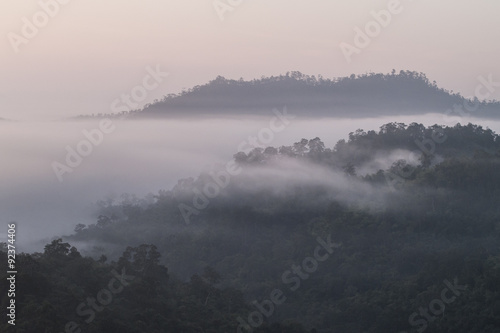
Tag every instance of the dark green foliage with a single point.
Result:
(150, 300)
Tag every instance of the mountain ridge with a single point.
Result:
(370, 94)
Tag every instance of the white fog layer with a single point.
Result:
(141, 157)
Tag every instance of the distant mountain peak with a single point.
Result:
(364, 95)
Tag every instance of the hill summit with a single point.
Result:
(371, 94)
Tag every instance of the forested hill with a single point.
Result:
(403, 213)
(354, 96)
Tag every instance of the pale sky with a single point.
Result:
(91, 52)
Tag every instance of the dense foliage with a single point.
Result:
(61, 291)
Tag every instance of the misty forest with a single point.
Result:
(260, 166)
(392, 229)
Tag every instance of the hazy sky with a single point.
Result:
(90, 52)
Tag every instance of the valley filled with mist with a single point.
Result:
(141, 157)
